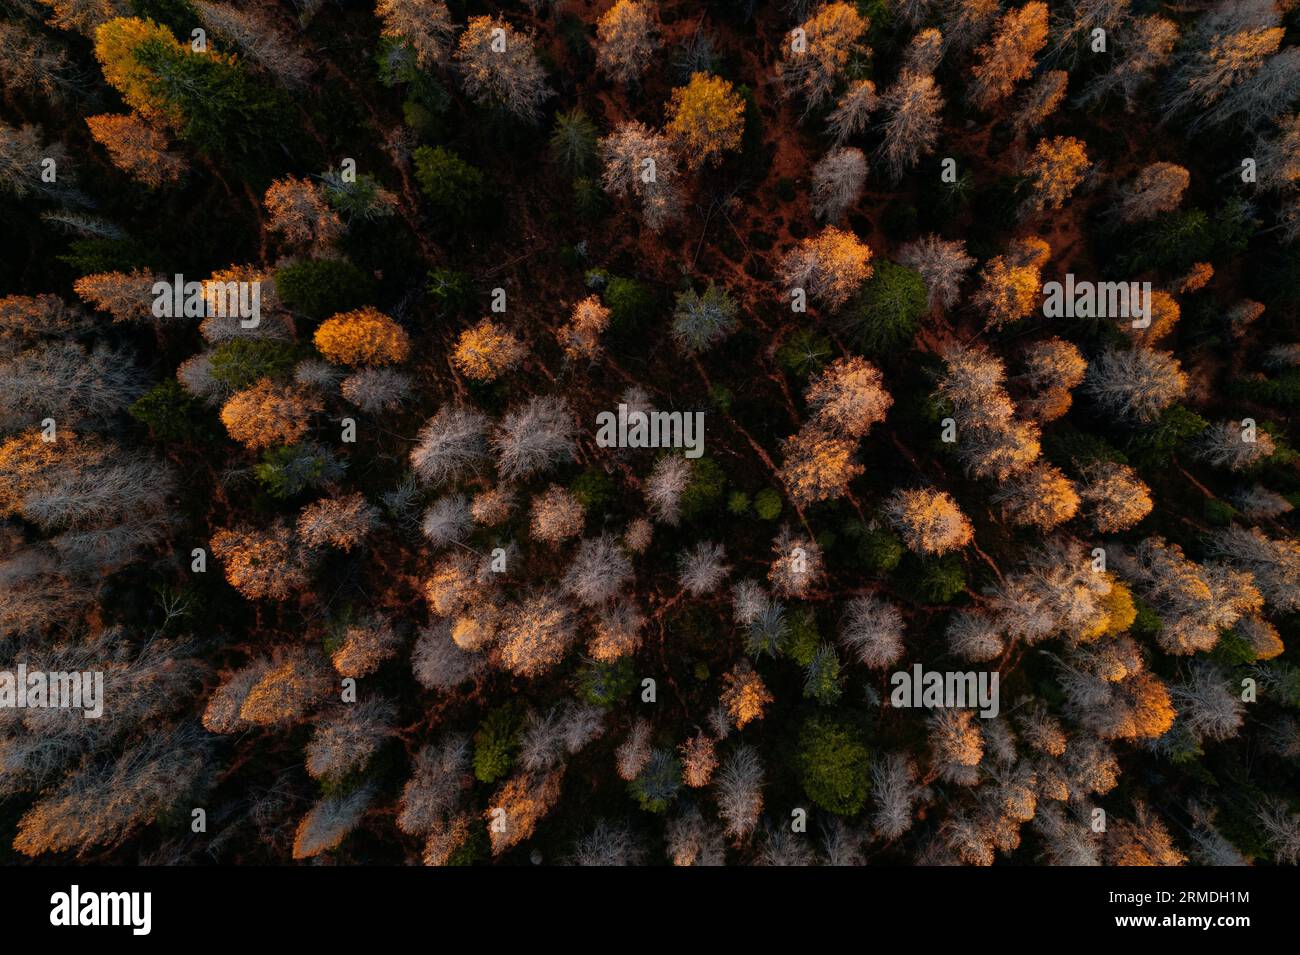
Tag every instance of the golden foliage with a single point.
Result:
(261, 564)
(127, 296)
(699, 760)
(487, 351)
(340, 522)
(136, 148)
(1009, 57)
(706, 118)
(268, 414)
(299, 211)
(831, 37)
(930, 521)
(477, 628)
(818, 465)
(580, 337)
(1007, 292)
(519, 805)
(744, 694)
(1197, 277)
(849, 396)
(1165, 312)
(24, 459)
(115, 45)
(1058, 165)
(285, 692)
(452, 586)
(493, 506)
(556, 515)
(365, 336)
(829, 266)
(625, 40)
(1043, 498)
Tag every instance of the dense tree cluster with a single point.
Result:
(543, 431)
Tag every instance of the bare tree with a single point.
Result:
(438, 664)
(330, 821)
(873, 630)
(499, 68)
(701, 570)
(912, 108)
(625, 40)
(1259, 503)
(967, 22)
(1158, 188)
(341, 522)
(796, 564)
(425, 24)
(1206, 703)
(942, 263)
(104, 802)
(256, 38)
(451, 445)
(447, 520)
(692, 841)
(1041, 100)
(533, 438)
(974, 635)
(634, 752)
(376, 389)
(434, 789)
(664, 488)
(607, 845)
(1223, 52)
(65, 381)
(1142, 46)
(1136, 384)
(347, 736)
(853, 111)
(838, 181)
(599, 572)
(893, 783)
(1229, 445)
(1274, 564)
(739, 785)
(924, 52)
(641, 162)
(815, 54)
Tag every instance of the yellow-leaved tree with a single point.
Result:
(115, 44)
(365, 336)
(706, 119)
